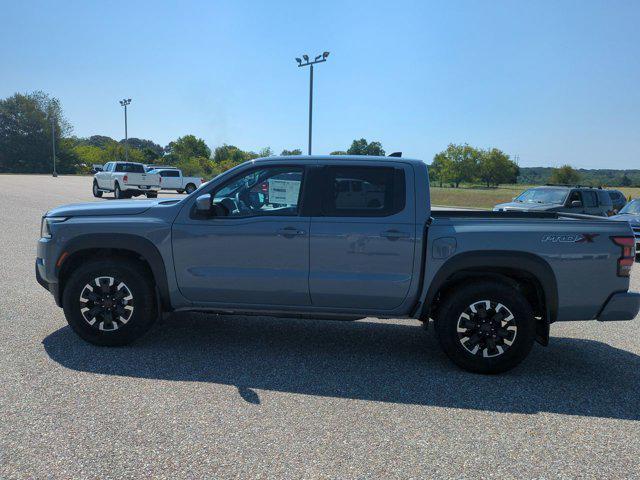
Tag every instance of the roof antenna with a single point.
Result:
(396, 154)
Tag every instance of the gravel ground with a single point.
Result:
(279, 398)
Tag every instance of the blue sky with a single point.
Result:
(550, 81)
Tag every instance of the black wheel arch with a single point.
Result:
(129, 246)
(522, 270)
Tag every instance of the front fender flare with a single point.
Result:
(124, 241)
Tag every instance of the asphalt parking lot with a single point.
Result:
(205, 396)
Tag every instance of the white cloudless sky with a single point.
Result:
(550, 81)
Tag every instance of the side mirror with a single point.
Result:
(576, 204)
(203, 204)
(206, 207)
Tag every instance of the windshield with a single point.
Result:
(633, 207)
(542, 195)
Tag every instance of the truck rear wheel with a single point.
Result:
(190, 188)
(117, 192)
(109, 302)
(486, 327)
(96, 191)
(152, 195)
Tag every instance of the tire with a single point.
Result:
(134, 307)
(152, 195)
(96, 192)
(117, 193)
(496, 340)
(190, 188)
(180, 191)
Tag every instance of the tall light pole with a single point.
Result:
(124, 102)
(307, 62)
(53, 143)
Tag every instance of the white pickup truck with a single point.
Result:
(126, 180)
(172, 179)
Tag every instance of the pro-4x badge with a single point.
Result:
(570, 238)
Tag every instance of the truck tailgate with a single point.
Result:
(143, 179)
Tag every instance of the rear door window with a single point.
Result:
(589, 199)
(604, 199)
(363, 191)
(166, 173)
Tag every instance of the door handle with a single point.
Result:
(289, 232)
(394, 234)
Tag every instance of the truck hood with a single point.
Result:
(112, 207)
(632, 219)
(526, 207)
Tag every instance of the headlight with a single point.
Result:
(45, 225)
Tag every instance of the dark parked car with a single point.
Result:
(561, 198)
(631, 213)
(618, 199)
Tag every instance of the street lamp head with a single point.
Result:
(125, 101)
(306, 58)
(325, 55)
(299, 60)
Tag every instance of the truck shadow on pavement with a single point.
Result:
(382, 362)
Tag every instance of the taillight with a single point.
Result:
(125, 179)
(625, 262)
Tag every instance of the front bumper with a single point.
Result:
(620, 306)
(51, 287)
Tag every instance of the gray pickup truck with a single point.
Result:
(336, 238)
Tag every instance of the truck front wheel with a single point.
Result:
(485, 327)
(109, 302)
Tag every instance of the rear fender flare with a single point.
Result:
(494, 261)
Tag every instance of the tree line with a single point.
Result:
(29, 122)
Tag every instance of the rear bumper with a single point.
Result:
(620, 306)
(140, 188)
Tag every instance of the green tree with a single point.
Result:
(338, 152)
(99, 141)
(440, 168)
(565, 175)
(229, 152)
(625, 181)
(186, 147)
(26, 132)
(265, 152)
(459, 163)
(495, 167)
(295, 151)
(143, 144)
(362, 147)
